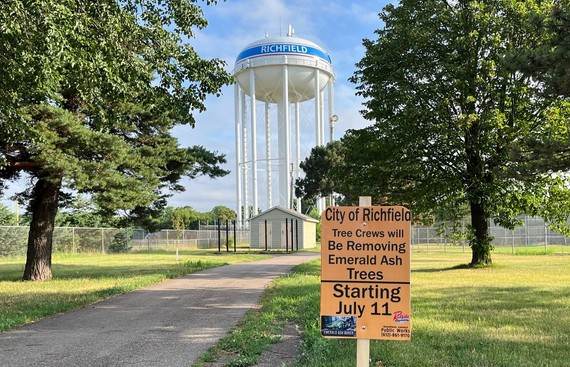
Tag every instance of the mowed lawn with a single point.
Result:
(515, 313)
(82, 279)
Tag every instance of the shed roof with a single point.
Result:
(286, 211)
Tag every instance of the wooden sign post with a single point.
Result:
(365, 275)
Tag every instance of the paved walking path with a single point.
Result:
(168, 324)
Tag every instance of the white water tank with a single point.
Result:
(268, 55)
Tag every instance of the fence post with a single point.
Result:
(297, 234)
(227, 235)
(545, 238)
(219, 237)
(286, 234)
(526, 231)
(291, 234)
(266, 235)
(235, 238)
(102, 242)
(513, 241)
(462, 237)
(167, 241)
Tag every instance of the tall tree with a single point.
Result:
(89, 94)
(549, 63)
(447, 112)
(318, 180)
(223, 213)
(182, 217)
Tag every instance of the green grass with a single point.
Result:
(513, 313)
(537, 249)
(81, 279)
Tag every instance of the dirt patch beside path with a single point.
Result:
(281, 354)
(284, 353)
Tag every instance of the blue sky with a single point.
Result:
(338, 26)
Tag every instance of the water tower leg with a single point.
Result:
(284, 143)
(332, 122)
(238, 153)
(297, 150)
(321, 97)
(331, 108)
(318, 141)
(253, 141)
(268, 155)
(318, 126)
(246, 211)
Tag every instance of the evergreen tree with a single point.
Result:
(89, 94)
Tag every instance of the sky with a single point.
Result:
(338, 26)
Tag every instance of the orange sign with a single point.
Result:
(365, 272)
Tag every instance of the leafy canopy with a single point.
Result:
(90, 91)
(450, 118)
(89, 94)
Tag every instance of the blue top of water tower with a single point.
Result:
(277, 46)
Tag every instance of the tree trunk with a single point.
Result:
(481, 243)
(44, 205)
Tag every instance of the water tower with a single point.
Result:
(274, 76)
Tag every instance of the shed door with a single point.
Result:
(262, 234)
(287, 239)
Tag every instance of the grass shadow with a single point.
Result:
(438, 270)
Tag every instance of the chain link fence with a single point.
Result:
(171, 239)
(14, 239)
(534, 235)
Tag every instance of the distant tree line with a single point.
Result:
(82, 212)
